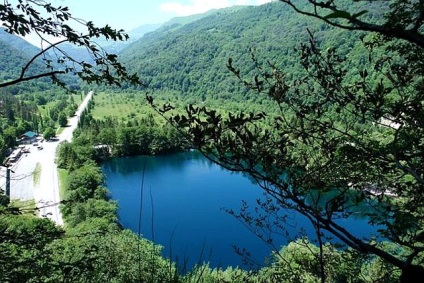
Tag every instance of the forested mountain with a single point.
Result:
(188, 55)
(111, 46)
(17, 43)
(178, 22)
(15, 54)
(191, 59)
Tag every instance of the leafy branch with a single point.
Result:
(26, 17)
(410, 29)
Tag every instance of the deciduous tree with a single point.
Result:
(49, 133)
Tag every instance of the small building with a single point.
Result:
(28, 138)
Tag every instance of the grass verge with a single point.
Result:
(59, 130)
(37, 173)
(63, 180)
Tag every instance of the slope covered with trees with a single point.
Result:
(190, 60)
(16, 53)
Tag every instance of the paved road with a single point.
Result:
(44, 191)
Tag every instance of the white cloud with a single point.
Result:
(201, 6)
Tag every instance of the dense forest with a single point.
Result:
(16, 53)
(189, 60)
(295, 103)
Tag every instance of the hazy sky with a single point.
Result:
(129, 14)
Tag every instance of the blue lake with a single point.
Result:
(179, 202)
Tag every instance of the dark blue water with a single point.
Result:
(182, 200)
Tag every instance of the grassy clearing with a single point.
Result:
(37, 173)
(127, 106)
(121, 106)
(63, 180)
(131, 106)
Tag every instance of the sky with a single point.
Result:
(130, 14)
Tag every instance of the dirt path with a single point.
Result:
(41, 183)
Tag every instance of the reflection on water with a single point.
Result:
(183, 198)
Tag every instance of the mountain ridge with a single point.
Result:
(191, 60)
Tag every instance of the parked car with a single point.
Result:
(40, 147)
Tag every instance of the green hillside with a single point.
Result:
(16, 52)
(110, 46)
(178, 22)
(18, 43)
(15, 55)
(190, 60)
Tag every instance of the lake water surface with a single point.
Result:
(179, 202)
